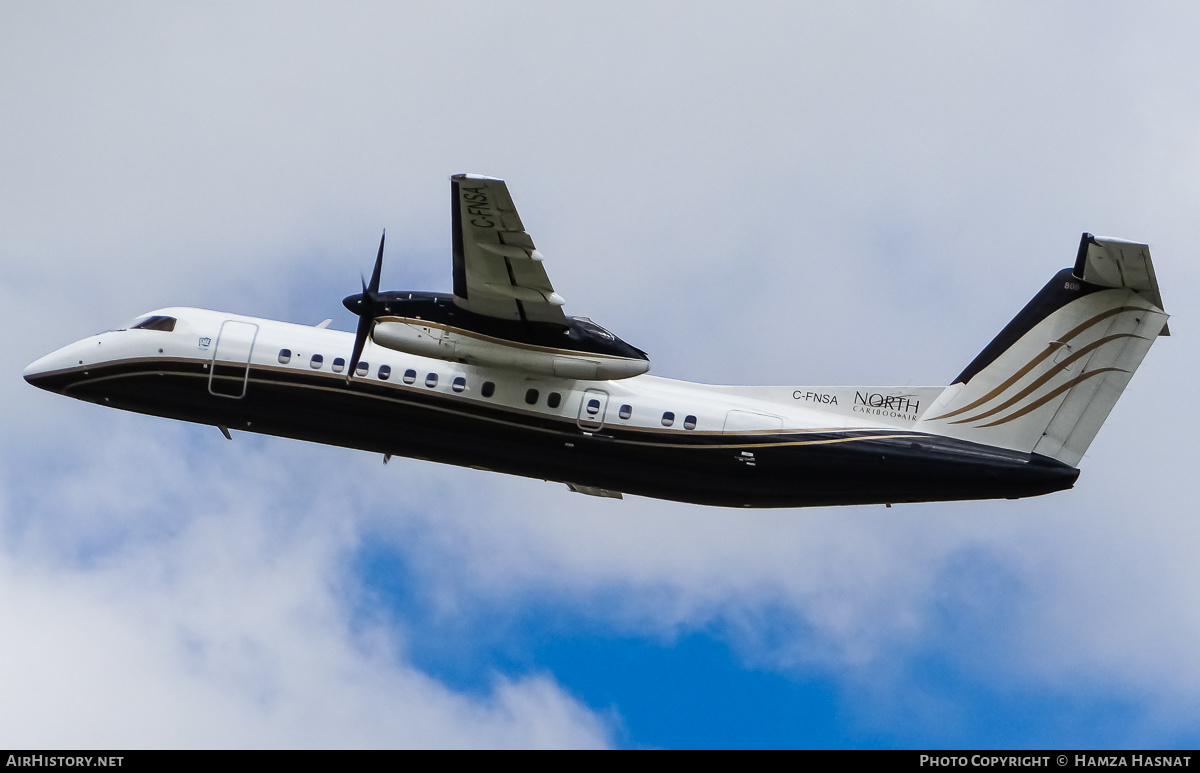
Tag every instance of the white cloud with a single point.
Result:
(226, 625)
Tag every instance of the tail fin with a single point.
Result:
(1049, 380)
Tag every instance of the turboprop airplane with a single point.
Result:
(495, 376)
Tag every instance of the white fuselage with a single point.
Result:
(724, 445)
(723, 409)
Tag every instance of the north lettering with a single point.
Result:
(895, 406)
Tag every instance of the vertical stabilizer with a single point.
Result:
(1048, 381)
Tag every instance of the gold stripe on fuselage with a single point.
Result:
(568, 422)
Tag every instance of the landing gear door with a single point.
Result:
(230, 368)
(592, 409)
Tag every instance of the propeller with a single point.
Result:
(367, 306)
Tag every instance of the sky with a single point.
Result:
(772, 193)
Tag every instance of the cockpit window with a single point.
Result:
(165, 324)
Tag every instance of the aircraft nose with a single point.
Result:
(35, 372)
(45, 372)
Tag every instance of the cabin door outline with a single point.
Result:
(591, 417)
(229, 371)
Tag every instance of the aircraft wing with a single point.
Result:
(497, 271)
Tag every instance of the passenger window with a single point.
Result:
(531, 396)
(410, 376)
(689, 422)
(554, 399)
(488, 389)
(593, 407)
(285, 356)
(668, 419)
(362, 368)
(316, 362)
(626, 411)
(385, 372)
(431, 380)
(459, 384)
(339, 364)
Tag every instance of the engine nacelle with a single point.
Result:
(429, 339)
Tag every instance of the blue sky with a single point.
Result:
(784, 194)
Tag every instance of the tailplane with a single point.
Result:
(1047, 382)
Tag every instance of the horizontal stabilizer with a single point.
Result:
(1117, 263)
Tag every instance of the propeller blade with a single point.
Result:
(365, 321)
(373, 288)
(367, 309)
